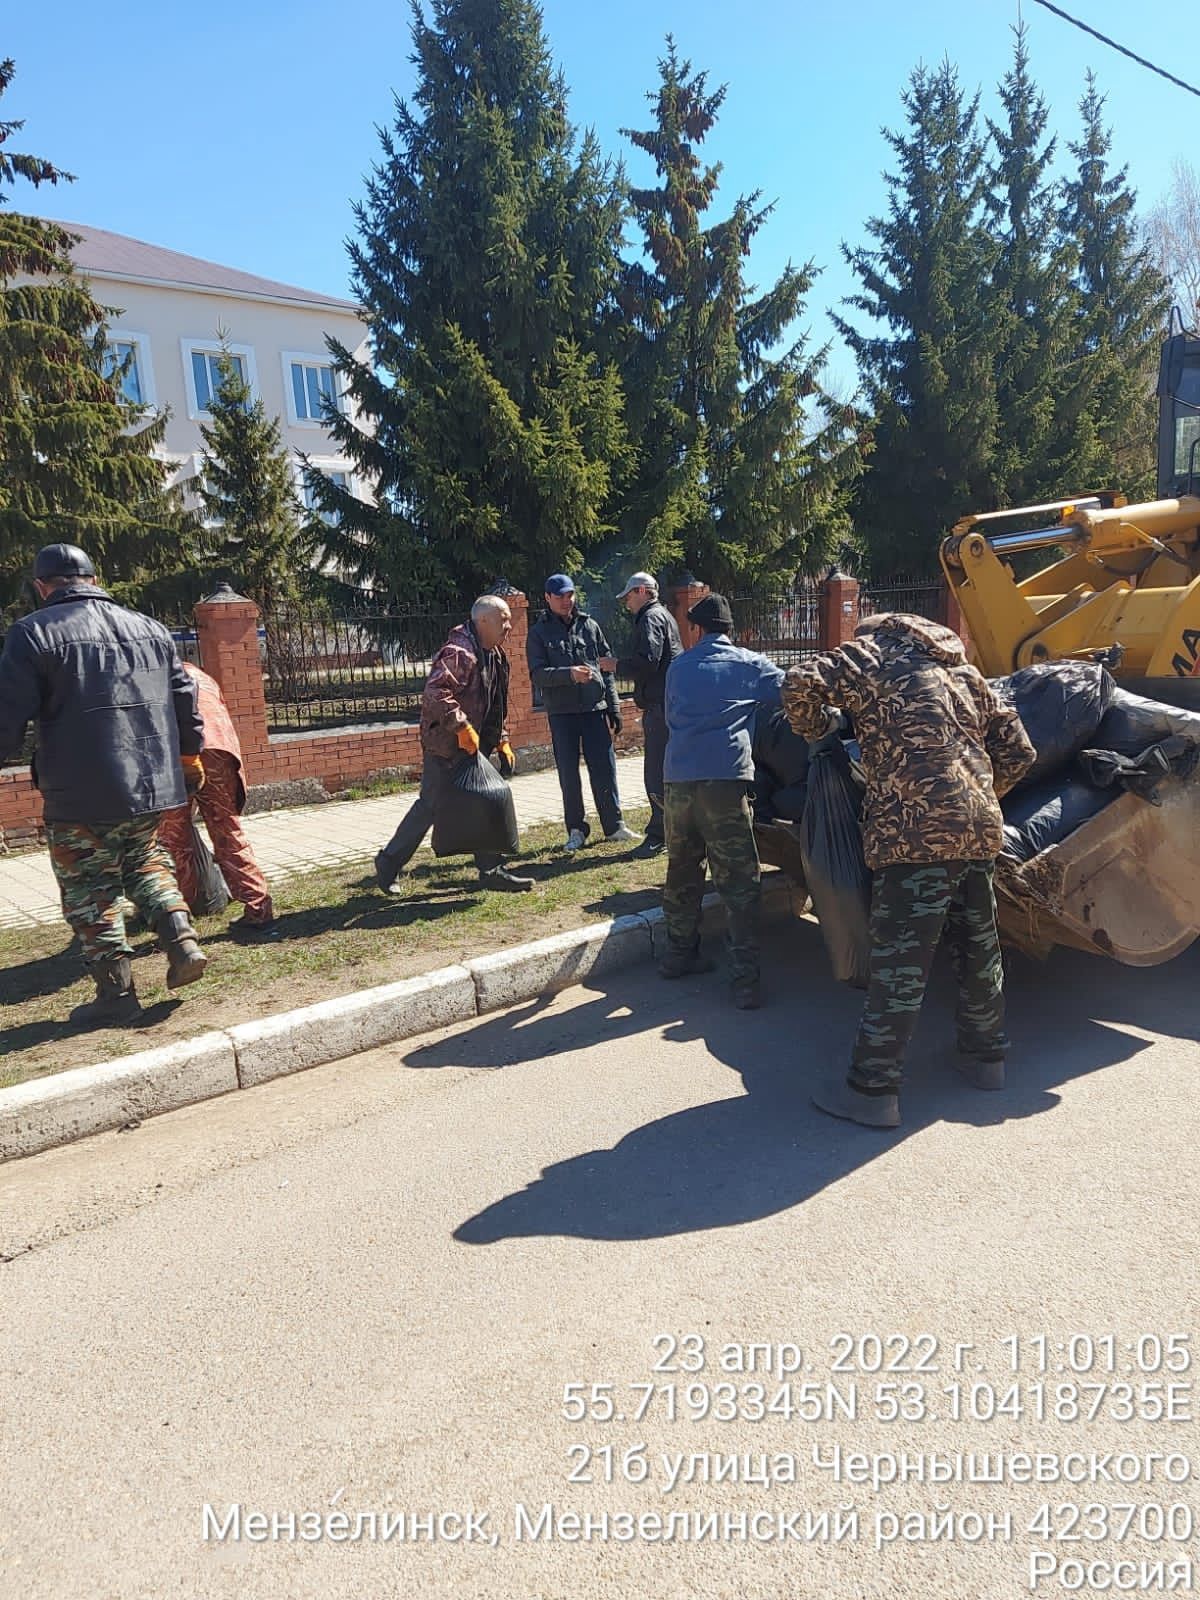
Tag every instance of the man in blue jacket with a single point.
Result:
(714, 691)
(118, 743)
(564, 649)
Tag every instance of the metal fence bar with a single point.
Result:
(916, 597)
(784, 624)
(331, 668)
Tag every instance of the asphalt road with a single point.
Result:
(362, 1292)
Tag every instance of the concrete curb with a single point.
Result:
(46, 1112)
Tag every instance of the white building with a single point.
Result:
(172, 311)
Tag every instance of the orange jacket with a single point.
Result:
(219, 731)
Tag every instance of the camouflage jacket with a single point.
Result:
(937, 746)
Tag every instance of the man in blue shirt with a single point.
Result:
(713, 694)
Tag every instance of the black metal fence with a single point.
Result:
(784, 624)
(917, 597)
(327, 668)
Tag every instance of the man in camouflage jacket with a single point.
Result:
(937, 750)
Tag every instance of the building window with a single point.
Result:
(123, 353)
(337, 475)
(206, 375)
(312, 385)
(201, 362)
(131, 352)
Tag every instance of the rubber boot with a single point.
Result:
(116, 999)
(836, 1098)
(982, 1072)
(682, 963)
(185, 959)
(982, 1066)
(747, 994)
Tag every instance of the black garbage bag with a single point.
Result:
(780, 767)
(1132, 724)
(212, 893)
(1060, 704)
(838, 878)
(1142, 774)
(474, 811)
(1036, 818)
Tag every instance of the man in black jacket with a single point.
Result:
(564, 649)
(118, 743)
(656, 644)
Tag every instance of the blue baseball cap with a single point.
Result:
(559, 583)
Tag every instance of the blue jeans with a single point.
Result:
(586, 732)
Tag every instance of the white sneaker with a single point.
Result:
(623, 835)
(575, 840)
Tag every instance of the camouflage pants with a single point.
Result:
(712, 820)
(102, 863)
(911, 906)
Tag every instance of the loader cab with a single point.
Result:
(1179, 413)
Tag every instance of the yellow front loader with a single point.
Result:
(1122, 583)
(1121, 586)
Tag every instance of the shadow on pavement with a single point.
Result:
(755, 1154)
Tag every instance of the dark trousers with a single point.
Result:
(654, 737)
(712, 821)
(404, 843)
(910, 907)
(586, 732)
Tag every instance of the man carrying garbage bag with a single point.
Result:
(464, 710)
(937, 749)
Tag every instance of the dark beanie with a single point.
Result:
(712, 614)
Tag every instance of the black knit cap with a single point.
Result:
(712, 614)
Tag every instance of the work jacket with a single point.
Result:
(937, 746)
(656, 644)
(554, 646)
(466, 684)
(112, 705)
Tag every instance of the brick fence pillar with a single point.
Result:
(680, 598)
(838, 609)
(227, 632)
(520, 685)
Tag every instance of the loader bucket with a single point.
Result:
(1126, 884)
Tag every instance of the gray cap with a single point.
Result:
(640, 580)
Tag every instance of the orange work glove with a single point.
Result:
(468, 740)
(508, 760)
(193, 773)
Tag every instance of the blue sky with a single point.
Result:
(240, 132)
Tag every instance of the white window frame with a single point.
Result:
(145, 366)
(206, 522)
(309, 358)
(213, 347)
(326, 464)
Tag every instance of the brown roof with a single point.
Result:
(115, 255)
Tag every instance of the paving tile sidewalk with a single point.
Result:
(299, 839)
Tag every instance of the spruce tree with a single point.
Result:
(486, 263)
(1045, 437)
(254, 533)
(735, 477)
(1123, 304)
(928, 365)
(76, 460)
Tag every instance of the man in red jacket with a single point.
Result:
(221, 802)
(464, 709)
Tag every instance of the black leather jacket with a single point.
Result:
(656, 644)
(554, 647)
(113, 706)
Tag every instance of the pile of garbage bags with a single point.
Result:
(1094, 742)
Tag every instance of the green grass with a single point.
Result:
(340, 934)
